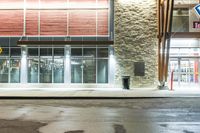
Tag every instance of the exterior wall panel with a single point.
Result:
(82, 3)
(11, 4)
(86, 17)
(11, 22)
(53, 3)
(102, 22)
(82, 23)
(53, 23)
(32, 3)
(32, 22)
(103, 3)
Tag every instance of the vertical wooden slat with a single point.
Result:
(164, 39)
(165, 8)
(169, 31)
(159, 37)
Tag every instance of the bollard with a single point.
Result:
(172, 79)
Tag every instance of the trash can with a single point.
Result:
(126, 82)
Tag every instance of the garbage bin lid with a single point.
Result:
(125, 76)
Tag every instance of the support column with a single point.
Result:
(24, 65)
(111, 66)
(67, 65)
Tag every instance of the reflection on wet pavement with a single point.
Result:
(35, 117)
(119, 129)
(77, 131)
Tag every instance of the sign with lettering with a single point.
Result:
(197, 9)
(196, 24)
(1, 50)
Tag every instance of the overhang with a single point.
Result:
(184, 34)
(29, 43)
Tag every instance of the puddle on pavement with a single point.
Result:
(119, 128)
(17, 126)
(186, 131)
(76, 131)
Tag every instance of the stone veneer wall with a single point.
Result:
(135, 40)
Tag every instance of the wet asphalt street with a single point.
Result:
(158, 115)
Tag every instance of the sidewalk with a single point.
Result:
(95, 93)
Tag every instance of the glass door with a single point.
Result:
(89, 71)
(83, 70)
(76, 71)
(186, 71)
(46, 70)
(15, 70)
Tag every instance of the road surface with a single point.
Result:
(157, 115)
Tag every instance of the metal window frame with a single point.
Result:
(96, 60)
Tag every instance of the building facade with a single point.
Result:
(93, 42)
(30, 29)
(185, 44)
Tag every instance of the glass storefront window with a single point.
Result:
(14, 70)
(58, 71)
(5, 52)
(89, 71)
(4, 67)
(46, 65)
(32, 51)
(91, 66)
(58, 51)
(174, 52)
(46, 70)
(102, 71)
(33, 70)
(102, 52)
(15, 52)
(180, 20)
(188, 52)
(89, 52)
(45, 51)
(76, 70)
(76, 52)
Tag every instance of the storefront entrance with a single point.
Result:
(89, 65)
(186, 71)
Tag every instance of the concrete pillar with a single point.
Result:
(67, 65)
(24, 65)
(111, 66)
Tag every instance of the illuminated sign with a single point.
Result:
(197, 9)
(1, 50)
(196, 24)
